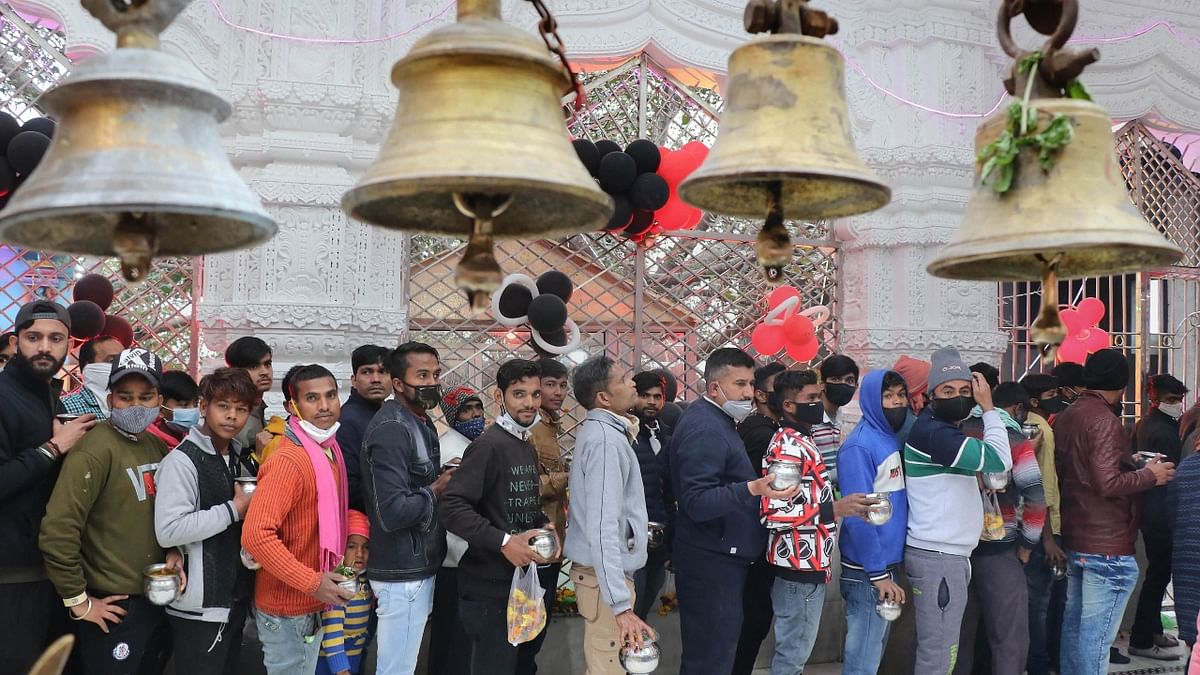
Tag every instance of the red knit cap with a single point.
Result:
(357, 523)
(915, 373)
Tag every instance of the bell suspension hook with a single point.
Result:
(478, 273)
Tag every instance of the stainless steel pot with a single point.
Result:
(160, 584)
(656, 533)
(640, 661)
(544, 543)
(995, 481)
(249, 484)
(888, 610)
(881, 511)
(785, 474)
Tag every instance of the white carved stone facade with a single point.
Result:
(308, 118)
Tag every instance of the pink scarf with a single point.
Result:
(331, 496)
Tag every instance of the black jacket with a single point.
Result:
(27, 408)
(756, 431)
(357, 413)
(401, 459)
(1157, 432)
(496, 491)
(654, 472)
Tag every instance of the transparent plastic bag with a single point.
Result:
(993, 518)
(526, 606)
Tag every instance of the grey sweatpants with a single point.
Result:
(999, 601)
(939, 582)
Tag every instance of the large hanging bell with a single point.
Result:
(479, 147)
(1061, 207)
(785, 145)
(136, 168)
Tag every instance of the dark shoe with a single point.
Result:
(1115, 657)
(1157, 653)
(1164, 640)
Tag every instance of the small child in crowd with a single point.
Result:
(347, 629)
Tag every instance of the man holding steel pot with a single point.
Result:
(802, 527)
(608, 515)
(494, 503)
(98, 533)
(204, 493)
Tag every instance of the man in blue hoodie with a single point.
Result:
(870, 462)
(717, 531)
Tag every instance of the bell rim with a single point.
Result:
(694, 189)
(1021, 265)
(262, 227)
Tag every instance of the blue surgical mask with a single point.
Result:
(471, 428)
(185, 417)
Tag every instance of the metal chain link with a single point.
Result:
(548, 28)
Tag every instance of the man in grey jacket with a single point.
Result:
(606, 539)
(401, 464)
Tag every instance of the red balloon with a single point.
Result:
(94, 287)
(777, 296)
(766, 339)
(115, 326)
(1091, 311)
(799, 329)
(696, 150)
(673, 168)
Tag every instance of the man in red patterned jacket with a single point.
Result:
(801, 529)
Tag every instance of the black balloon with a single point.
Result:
(42, 125)
(617, 172)
(588, 154)
(556, 283)
(9, 127)
(8, 177)
(650, 192)
(646, 154)
(87, 319)
(25, 150)
(558, 338)
(642, 220)
(622, 212)
(95, 288)
(606, 146)
(547, 313)
(514, 301)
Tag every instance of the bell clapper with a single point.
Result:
(478, 274)
(135, 242)
(1048, 331)
(774, 245)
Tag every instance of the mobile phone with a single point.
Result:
(66, 417)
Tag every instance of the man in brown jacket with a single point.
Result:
(1099, 483)
(554, 465)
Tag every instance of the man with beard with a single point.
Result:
(401, 465)
(369, 388)
(31, 444)
(653, 435)
(494, 504)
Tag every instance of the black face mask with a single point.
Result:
(1118, 408)
(426, 396)
(1052, 406)
(895, 417)
(953, 410)
(809, 413)
(839, 394)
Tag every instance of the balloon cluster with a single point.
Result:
(642, 180)
(1084, 335)
(23, 146)
(93, 296)
(543, 305)
(786, 327)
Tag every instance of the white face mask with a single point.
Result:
(321, 436)
(1173, 410)
(511, 425)
(738, 410)
(95, 379)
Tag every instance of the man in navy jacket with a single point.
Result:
(717, 533)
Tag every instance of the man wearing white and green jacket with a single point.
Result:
(945, 510)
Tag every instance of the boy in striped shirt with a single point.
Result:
(348, 629)
(945, 509)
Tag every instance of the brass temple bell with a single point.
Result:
(785, 149)
(136, 168)
(479, 147)
(1066, 211)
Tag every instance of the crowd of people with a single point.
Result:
(1004, 515)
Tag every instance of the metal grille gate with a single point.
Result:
(668, 304)
(1151, 316)
(163, 309)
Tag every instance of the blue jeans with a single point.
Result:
(403, 608)
(648, 581)
(291, 644)
(1045, 623)
(866, 631)
(797, 617)
(1098, 588)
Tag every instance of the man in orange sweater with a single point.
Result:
(296, 526)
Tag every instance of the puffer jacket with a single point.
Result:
(654, 474)
(1098, 480)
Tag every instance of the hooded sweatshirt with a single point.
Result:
(870, 461)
